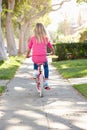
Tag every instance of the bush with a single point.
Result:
(66, 51)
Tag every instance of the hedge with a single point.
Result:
(66, 51)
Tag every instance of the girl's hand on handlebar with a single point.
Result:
(51, 53)
(28, 56)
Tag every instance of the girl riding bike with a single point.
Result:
(38, 44)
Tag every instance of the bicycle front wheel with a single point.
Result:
(41, 85)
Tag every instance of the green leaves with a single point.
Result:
(79, 1)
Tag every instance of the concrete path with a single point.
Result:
(61, 108)
(78, 80)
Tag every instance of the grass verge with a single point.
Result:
(82, 88)
(72, 68)
(8, 68)
(2, 89)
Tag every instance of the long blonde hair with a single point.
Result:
(41, 33)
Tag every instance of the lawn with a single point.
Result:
(2, 89)
(72, 68)
(8, 69)
(82, 88)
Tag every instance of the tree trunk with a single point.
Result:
(11, 45)
(3, 55)
(21, 41)
(28, 34)
(23, 38)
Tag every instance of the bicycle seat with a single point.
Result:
(39, 64)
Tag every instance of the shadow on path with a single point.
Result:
(61, 108)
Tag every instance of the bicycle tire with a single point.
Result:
(41, 85)
(38, 84)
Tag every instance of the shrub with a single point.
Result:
(66, 51)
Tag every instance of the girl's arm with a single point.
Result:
(52, 51)
(51, 48)
(28, 53)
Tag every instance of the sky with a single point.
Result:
(69, 10)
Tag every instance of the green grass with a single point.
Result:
(9, 67)
(2, 89)
(72, 68)
(82, 88)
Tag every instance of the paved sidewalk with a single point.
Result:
(78, 80)
(61, 108)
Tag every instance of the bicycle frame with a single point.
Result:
(40, 80)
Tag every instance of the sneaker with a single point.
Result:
(35, 74)
(46, 86)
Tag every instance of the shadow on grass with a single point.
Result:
(1, 62)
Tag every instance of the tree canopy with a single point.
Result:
(79, 1)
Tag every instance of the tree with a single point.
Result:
(9, 29)
(83, 36)
(3, 55)
(27, 14)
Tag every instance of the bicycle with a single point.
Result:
(40, 79)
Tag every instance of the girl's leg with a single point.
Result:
(46, 70)
(35, 73)
(35, 67)
(46, 74)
